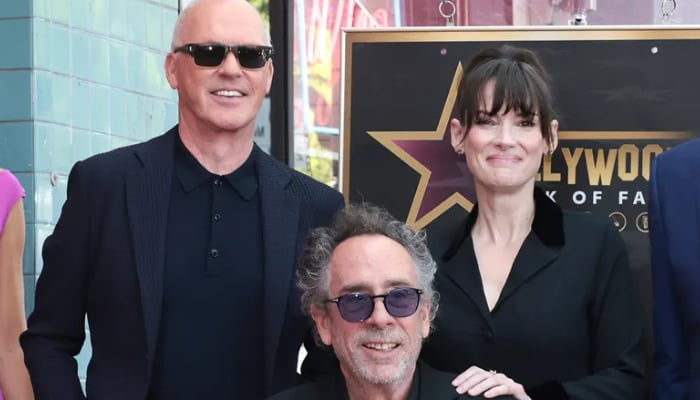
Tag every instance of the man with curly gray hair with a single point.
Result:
(367, 282)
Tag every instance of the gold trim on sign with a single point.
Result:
(625, 135)
(345, 109)
(519, 34)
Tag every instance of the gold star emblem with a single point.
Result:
(442, 184)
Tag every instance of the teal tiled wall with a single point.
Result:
(79, 77)
(16, 89)
(16, 128)
(16, 52)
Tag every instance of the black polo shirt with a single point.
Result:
(211, 332)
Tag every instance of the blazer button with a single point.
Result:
(214, 253)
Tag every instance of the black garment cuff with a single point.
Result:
(551, 390)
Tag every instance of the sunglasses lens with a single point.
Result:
(355, 307)
(402, 302)
(250, 57)
(209, 55)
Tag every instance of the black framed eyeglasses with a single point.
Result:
(212, 55)
(357, 307)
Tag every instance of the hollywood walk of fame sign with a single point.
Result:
(622, 97)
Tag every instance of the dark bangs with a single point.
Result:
(520, 85)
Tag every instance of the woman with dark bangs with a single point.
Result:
(536, 302)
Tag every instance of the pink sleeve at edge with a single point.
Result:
(10, 192)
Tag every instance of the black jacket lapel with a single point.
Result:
(462, 270)
(147, 198)
(532, 257)
(542, 245)
(280, 214)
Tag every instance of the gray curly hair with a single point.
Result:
(355, 220)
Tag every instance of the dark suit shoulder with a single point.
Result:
(434, 385)
(310, 188)
(681, 156)
(319, 200)
(592, 233)
(328, 386)
(589, 222)
(124, 159)
(437, 385)
(302, 392)
(110, 160)
(300, 184)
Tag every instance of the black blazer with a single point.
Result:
(567, 325)
(432, 385)
(105, 259)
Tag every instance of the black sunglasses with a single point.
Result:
(212, 55)
(357, 307)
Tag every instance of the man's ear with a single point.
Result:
(323, 323)
(170, 69)
(271, 73)
(425, 320)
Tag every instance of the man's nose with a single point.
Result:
(380, 316)
(230, 64)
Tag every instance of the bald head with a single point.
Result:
(198, 11)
